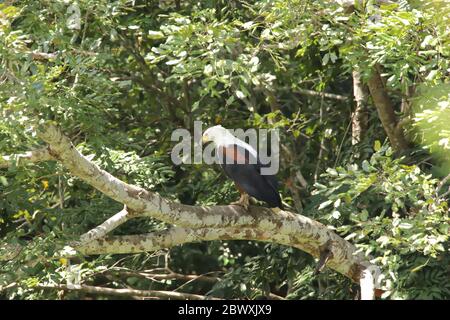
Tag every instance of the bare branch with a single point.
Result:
(325, 255)
(36, 55)
(107, 226)
(440, 185)
(170, 275)
(33, 156)
(195, 223)
(179, 235)
(301, 179)
(167, 239)
(322, 94)
(8, 286)
(170, 295)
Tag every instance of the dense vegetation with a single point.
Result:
(120, 76)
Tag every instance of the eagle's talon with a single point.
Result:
(244, 201)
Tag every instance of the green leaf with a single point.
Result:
(4, 181)
(240, 94)
(336, 214)
(377, 145)
(325, 204)
(155, 35)
(337, 203)
(325, 59)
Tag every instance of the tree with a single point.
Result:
(104, 84)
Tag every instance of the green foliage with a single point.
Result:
(131, 72)
(392, 212)
(431, 119)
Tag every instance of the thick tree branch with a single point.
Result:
(170, 238)
(195, 223)
(107, 226)
(386, 112)
(33, 156)
(301, 239)
(171, 295)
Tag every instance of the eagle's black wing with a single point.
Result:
(237, 165)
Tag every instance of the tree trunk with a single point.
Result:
(386, 113)
(360, 116)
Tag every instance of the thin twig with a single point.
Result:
(172, 276)
(322, 94)
(440, 185)
(126, 292)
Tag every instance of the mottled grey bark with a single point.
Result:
(33, 156)
(169, 295)
(197, 223)
(360, 116)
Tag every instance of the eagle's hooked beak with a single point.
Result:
(205, 139)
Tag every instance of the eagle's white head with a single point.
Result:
(222, 137)
(218, 135)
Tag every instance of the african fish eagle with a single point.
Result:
(241, 163)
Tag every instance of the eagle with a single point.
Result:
(241, 163)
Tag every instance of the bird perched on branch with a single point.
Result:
(241, 163)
